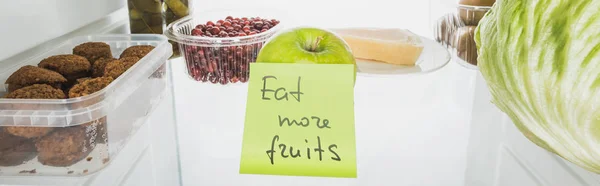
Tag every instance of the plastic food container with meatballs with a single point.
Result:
(454, 27)
(69, 111)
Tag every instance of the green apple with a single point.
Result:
(307, 45)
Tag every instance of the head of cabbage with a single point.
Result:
(541, 62)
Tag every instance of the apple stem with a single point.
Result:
(316, 44)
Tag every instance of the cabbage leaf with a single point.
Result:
(541, 62)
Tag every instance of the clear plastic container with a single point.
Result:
(455, 30)
(220, 60)
(85, 133)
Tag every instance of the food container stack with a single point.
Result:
(218, 46)
(455, 29)
(69, 110)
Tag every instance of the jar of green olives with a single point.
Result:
(152, 16)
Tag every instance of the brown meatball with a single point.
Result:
(130, 60)
(70, 66)
(89, 86)
(477, 2)
(93, 51)
(100, 65)
(115, 68)
(29, 75)
(470, 16)
(466, 47)
(37, 91)
(8, 140)
(29, 132)
(65, 146)
(137, 51)
(15, 150)
(81, 80)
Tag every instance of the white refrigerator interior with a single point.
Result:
(435, 129)
(30, 23)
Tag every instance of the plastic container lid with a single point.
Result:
(70, 112)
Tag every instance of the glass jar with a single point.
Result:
(175, 10)
(146, 16)
(152, 16)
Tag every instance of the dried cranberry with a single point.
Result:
(223, 81)
(203, 78)
(196, 32)
(223, 34)
(238, 51)
(213, 79)
(215, 30)
(226, 24)
(258, 24)
(246, 28)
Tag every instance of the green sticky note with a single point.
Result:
(300, 121)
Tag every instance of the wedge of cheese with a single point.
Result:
(388, 45)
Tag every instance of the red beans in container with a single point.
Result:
(218, 47)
